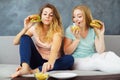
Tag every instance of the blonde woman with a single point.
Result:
(86, 46)
(44, 54)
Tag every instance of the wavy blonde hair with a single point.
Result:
(55, 26)
(86, 12)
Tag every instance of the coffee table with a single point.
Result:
(97, 77)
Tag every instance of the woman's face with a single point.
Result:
(47, 16)
(78, 18)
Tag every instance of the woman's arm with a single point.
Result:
(18, 36)
(27, 25)
(99, 40)
(70, 46)
(100, 44)
(56, 45)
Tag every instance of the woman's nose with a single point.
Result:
(47, 16)
(76, 19)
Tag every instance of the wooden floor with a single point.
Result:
(99, 77)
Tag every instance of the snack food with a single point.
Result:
(96, 24)
(74, 27)
(41, 76)
(35, 18)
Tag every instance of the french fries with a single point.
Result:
(41, 76)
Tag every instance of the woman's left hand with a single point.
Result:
(102, 30)
(47, 66)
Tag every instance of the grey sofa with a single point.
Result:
(9, 55)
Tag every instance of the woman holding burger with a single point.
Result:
(86, 43)
(44, 54)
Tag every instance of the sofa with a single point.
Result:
(9, 56)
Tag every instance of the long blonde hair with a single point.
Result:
(55, 26)
(87, 13)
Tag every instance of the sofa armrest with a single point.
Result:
(9, 53)
(112, 43)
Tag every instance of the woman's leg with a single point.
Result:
(29, 53)
(24, 56)
(108, 62)
(30, 58)
(64, 63)
(84, 64)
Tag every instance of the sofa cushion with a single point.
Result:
(9, 53)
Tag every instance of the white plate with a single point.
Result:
(63, 75)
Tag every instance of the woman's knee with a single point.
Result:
(25, 38)
(69, 59)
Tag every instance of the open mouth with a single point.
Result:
(78, 23)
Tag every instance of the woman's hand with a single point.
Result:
(76, 33)
(27, 23)
(47, 66)
(100, 31)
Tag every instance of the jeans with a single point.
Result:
(30, 55)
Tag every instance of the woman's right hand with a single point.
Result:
(76, 33)
(47, 66)
(27, 23)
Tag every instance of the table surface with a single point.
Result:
(97, 77)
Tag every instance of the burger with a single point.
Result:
(35, 18)
(96, 24)
(74, 28)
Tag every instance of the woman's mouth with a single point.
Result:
(78, 23)
(47, 20)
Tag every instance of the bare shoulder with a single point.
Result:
(58, 34)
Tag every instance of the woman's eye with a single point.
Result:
(73, 17)
(51, 15)
(79, 16)
(44, 14)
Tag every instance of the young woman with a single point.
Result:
(44, 54)
(86, 44)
